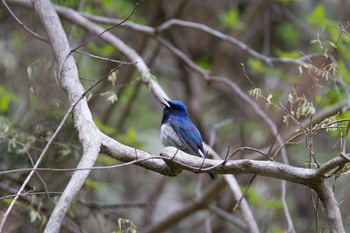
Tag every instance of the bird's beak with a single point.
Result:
(166, 103)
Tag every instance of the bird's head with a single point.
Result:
(174, 107)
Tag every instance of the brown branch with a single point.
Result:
(98, 205)
(197, 204)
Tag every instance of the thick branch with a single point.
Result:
(330, 206)
(88, 133)
(126, 154)
(272, 169)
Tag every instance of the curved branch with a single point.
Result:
(272, 169)
(19, 22)
(330, 206)
(124, 153)
(88, 133)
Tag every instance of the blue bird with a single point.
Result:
(177, 130)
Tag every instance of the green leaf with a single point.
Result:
(256, 64)
(94, 184)
(8, 201)
(130, 138)
(231, 19)
(318, 17)
(5, 99)
(291, 54)
(203, 62)
(105, 160)
(319, 12)
(275, 229)
(267, 203)
(288, 33)
(104, 128)
(344, 71)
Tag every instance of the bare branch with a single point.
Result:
(330, 207)
(203, 202)
(88, 133)
(21, 24)
(42, 155)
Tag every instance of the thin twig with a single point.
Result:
(43, 153)
(22, 25)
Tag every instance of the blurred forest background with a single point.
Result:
(284, 34)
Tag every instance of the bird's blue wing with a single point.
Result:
(188, 133)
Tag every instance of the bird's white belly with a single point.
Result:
(169, 137)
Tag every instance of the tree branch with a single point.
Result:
(203, 202)
(88, 133)
(330, 206)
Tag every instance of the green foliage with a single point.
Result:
(130, 138)
(5, 99)
(259, 67)
(330, 36)
(94, 184)
(318, 17)
(125, 226)
(17, 40)
(15, 141)
(102, 50)
(230, 19)
(36, 216)
(104, 128)
(331, 97)
(123, 7)
(275, 229)
(105, 160)
(117, 9)
(344, 71)
(290, 54)
(5, 127)
(8, 201)
(266, 203)
(67, 3)
(288, 33)
(203, 62)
